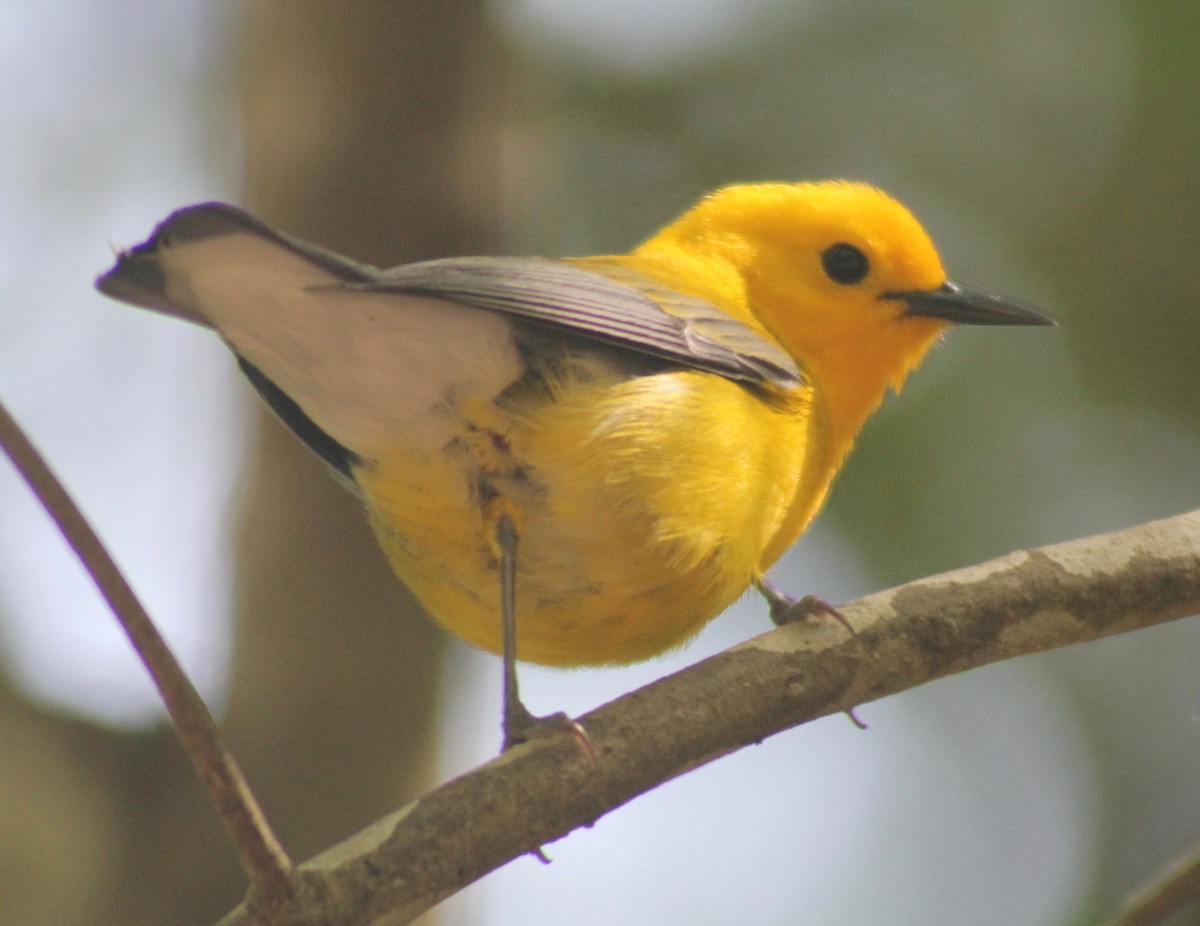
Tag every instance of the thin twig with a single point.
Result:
(261, 854)
(1169, 890)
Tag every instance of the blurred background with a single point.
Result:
(1050, 149)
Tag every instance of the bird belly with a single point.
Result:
(642, 506)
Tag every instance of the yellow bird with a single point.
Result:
(581, 461)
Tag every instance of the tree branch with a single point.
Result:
(532, 795)
(259, 851)
(1176, 885)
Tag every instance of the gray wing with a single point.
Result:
(618, 307)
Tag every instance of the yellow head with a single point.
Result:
(842, 276)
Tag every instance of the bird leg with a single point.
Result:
(520, 725)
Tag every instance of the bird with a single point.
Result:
(583, 460)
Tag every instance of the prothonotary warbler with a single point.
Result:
(580, 461)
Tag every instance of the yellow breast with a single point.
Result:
(644, 506)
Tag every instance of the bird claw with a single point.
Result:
(520, 726)
(786, 610)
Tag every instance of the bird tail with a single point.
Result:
(144, 276)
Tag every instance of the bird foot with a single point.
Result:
(520, 726)
(785, 610)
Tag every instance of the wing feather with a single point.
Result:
(632, 312)
(618, 306)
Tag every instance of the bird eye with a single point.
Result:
(845, 264)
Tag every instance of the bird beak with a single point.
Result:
(966, 306)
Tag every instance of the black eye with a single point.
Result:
(845, 264)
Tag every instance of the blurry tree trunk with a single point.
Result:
(369, 129)
(365, 132)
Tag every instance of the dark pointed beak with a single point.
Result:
(966, 306)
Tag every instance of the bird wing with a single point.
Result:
(617, 306)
